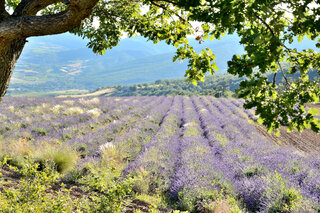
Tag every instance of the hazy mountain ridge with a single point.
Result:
(63, 62)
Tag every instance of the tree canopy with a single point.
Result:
(265, 27)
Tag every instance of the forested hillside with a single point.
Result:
(219, 86)
(223, 85)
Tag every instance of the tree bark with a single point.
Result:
(23, 23)
(9, 54)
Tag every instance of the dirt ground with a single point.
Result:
(307, 141)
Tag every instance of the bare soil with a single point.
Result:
(105, 92)
(136, 204)
(307, 141)
(8, 179)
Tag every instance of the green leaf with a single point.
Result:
(260, 120)
(300, 38)
(314, 111)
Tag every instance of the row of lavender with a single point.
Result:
(78, 122)
(186, 148)
(212, 149)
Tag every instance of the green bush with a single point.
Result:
(39, 131)
(109, 186)
(62, 159)
(30, 194)
(13, 160)
(279, 197)
(41, 191)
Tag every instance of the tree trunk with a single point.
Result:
(9, 54)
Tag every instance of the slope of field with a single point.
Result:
(192, 153)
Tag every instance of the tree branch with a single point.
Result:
(274, 79)
(32, 7)
(271, 30)
(284, 76)
(168, 1)
(26, 26)
(167, 9)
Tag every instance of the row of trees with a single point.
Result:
(218, 86)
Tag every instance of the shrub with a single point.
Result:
(74, 175)
(94, 101)
(209, 201)
(68, 102)
(23, 146)
(30, 195)
(110, 187)
(39, 131)
(220, 204)
(13, 160)
(56, 109)
(11, 108)
(62, 159)
(278, 197)
(141, 183)
(105, 187)
(94, 112)
(73, 111)
(112, 155)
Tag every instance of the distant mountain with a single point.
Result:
(63, 62)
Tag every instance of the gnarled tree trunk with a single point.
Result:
(24, 23)
(9, 55)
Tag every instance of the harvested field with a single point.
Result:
(307, 141)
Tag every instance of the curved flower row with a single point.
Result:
(254, 161)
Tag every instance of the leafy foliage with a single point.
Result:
(37, 191)
(12, 3)
(265, 28)
(219, 86)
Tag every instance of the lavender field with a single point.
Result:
(197, 154)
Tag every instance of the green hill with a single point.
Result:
(63, 62)
(222, 85)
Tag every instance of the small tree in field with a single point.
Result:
(265, 28)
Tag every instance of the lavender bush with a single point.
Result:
(200, 153)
